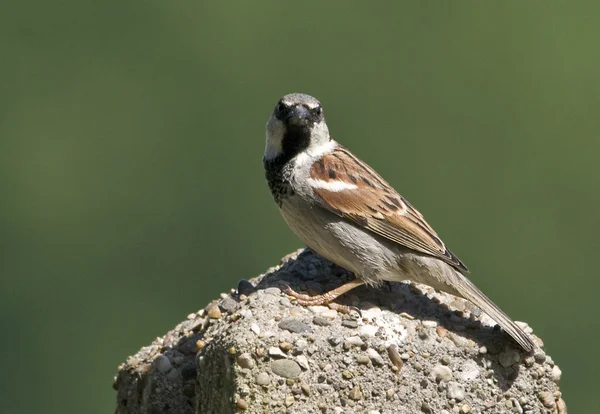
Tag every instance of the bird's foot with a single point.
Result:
(326, 298)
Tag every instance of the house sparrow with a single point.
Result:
(344, 211)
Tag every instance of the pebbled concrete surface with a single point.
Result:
(412, 350)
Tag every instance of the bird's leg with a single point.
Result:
(326, 298)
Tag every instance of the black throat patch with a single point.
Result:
(279, 170)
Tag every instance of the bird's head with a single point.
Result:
(296, 125)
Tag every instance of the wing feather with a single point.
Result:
(369, 201)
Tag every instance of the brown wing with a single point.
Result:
(351, 189)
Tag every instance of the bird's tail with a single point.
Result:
(465, 288)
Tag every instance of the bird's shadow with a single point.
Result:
(308, 272)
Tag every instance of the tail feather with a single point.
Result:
(469, 291)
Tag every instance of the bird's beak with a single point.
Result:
(298, 116)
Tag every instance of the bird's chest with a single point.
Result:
(280, 179)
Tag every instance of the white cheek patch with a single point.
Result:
(275, 130)
(333, 186)
(272, 148)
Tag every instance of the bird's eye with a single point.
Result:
(280, 108)
(317, 111)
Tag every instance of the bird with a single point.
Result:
(347, 213)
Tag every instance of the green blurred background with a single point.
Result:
(132, 189)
